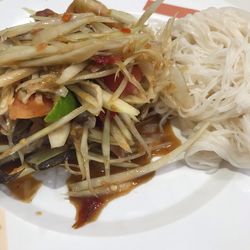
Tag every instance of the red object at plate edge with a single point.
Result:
(171, 10)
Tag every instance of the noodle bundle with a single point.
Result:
(211, 75)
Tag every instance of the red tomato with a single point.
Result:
(113, 82)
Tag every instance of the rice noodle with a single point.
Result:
(213, 57)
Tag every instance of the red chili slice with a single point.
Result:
(67, 17)
(125, 30)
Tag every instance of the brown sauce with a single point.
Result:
(88, 208)
(163, 143)
(39, 213)
(25, 188)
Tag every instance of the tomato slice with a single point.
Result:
(113, 82)
(31, 109)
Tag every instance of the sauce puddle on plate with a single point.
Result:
(88, 208)
(25, 188)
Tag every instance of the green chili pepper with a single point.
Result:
(62, 106)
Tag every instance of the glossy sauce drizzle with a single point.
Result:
(25, 188)
(164, 141)
(88, 208)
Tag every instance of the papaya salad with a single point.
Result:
(80, 89)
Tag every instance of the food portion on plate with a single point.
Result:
(81, 91)
(93, 91)
(212, 53)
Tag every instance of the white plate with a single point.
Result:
(179, 209)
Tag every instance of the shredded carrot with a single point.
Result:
(31, 109)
